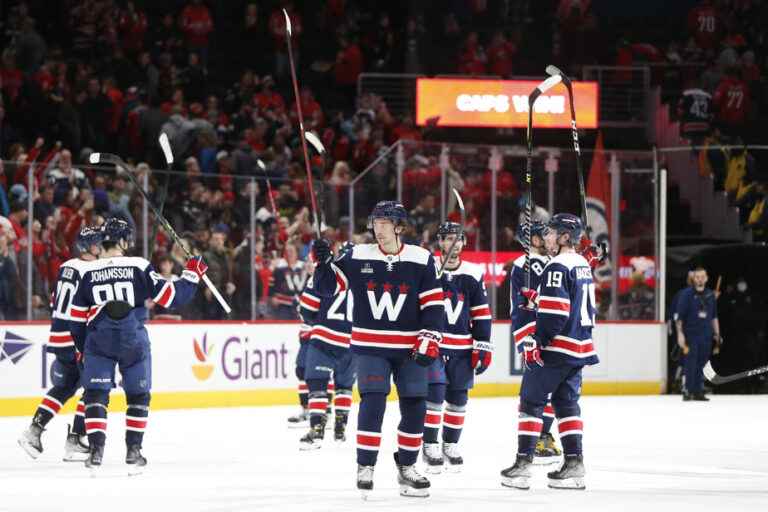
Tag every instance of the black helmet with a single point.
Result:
(567, 223)
(449, 228)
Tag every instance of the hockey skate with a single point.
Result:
(519, 475)
(313, 439)
(75, 448)
(365, 480)
(340, 427)
(570, 475)
(412, 483)
(454, 462)
(433, 458)
(300, 420)
(546, 451)
(30, 440)
(93, 462)
(135, 460)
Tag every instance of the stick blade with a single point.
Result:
(549, 83)
(261, 165)
(165, 145)
(288, 23)
(458, 198)
(315, 141)
(94, 158)
(710, 373)
(553, 70)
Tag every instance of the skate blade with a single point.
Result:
(568, 483)
(94, 471)
(304, 447)
(134, 470)
(546, 461)
(409, 492)
(75, 457)
(433, 469)
(453, 468)
(518, 482)
(299, 424)
(31, 451)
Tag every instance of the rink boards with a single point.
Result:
(200, 364)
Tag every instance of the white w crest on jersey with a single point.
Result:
(452, 313)
(295, 281)
(385, 304)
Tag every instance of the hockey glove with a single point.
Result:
(531, 299)
(590, 252)
(481, 356)
(321, 250)
(427, 348)
(531, 353)
(195, 266)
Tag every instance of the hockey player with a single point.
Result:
(66, 373)
(398, 316)
(523, 316)
(108, 316)
(555, 354)
(285, 286)
(327, 355)
(465, 349)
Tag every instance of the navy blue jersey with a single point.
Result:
(524, 320)
(696, 311)
(467, 315)
(395, 296)
(329, 318)
(60, 337)
(287, 282)
(126, 279)
(566, 312)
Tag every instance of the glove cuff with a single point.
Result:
(487, 346)
(189, 275)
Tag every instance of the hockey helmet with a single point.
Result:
(391, 210)
(537, 229)
(449, 228)
(115, 229)
(87, 238)
(569, 223)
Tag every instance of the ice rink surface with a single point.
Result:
(647, 454)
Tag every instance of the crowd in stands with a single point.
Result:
(79, 76)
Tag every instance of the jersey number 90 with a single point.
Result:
(121, 290)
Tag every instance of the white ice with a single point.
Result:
(647, 454)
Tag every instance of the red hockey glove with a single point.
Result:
(531, 353)
(195, 266)
(481, 356)
(531, 299)
(427, 348)
(590, 253)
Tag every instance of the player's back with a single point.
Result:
(524, 320)
(566, 311)
(330, 318)
(61, 303)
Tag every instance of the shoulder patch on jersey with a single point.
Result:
(471, 269)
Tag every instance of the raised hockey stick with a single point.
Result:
(714, 378)
(538, 91)
(269, 187)
(308, 169)
(165, 145)
(115, 160)
(460, 235)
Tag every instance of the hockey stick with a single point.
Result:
(308, 169)
(165, 145)
(269, 187)
(449, 254)
(538, 91)
(115, 160)
(714, 378)
(555, 71)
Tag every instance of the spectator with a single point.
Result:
(197, 24)
(65, 177)
(30, 48)
(349, 65)
(732, 102)
(133, 27)
(93, 111)
(472, 59)
(193, 78)
(500, 55)
(43, 206)
(219, 270)
(425, 216)
(165, 267)
(10, 284)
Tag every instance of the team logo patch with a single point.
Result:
(203, 369)
(13, 347)
(367, 269)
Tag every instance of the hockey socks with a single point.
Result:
(136, 418)
(571, 429)
(434, 414)
(369, 420)
(549, 418)
(78, 425)
(303, 394)
(411, 429)
(453, 417)
(96, 402)
(51, 404)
